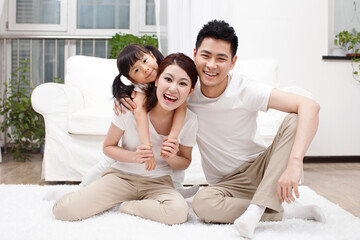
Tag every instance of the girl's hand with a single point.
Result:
(150, 165)
(169, 148)
(143, 154)
(126, 102)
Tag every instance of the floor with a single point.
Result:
(338, 182)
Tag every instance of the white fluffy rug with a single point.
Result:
(25, 215)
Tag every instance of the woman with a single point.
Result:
(147, 194)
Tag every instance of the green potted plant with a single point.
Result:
(119, 41)
(23, 127)
(351, 43)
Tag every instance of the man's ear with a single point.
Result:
(194, 54)
(233, 61)
(156, 82)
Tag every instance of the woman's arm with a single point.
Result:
(179, 155)
(111, 149)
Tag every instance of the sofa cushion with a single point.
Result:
(90, 121)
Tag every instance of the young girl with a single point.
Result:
(147, 194)
(139, 64)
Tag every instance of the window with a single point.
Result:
(147, 16)
(71, 27)
(41, 15)
(110, 14)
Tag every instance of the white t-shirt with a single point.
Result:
(139, 87)
(228, 135)
(130, 140)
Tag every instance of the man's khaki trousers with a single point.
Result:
(150, 198)
(255, 182)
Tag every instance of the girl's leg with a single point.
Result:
(160, 202)
(95, 198)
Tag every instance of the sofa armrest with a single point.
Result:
(52, 98)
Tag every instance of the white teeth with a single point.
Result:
(211, 74)
(170, 97)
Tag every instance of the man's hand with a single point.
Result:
(169, 148)
(126, 102)
(289, 181)
(143, 154)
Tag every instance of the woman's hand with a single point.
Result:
(143, 154)
(169, 148)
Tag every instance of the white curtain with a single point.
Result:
(180, 21)
(2, 2)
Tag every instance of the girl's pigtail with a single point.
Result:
(120, 90)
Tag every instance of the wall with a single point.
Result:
(296, 34)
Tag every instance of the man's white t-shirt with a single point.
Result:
(228, 135)
(130, 140)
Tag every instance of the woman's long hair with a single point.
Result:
(126, 59)
(179, 59)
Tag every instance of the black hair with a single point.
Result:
(126, 59)
(221, 30)
(179, 59)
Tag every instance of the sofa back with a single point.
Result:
(262, 70)
(93, 76)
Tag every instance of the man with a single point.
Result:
(248, 182)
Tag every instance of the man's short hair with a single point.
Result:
(221, 30)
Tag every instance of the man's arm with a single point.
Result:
(308, 120)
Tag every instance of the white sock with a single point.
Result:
(55, 195)
(309, 212)
(188, 192)
(247, 222)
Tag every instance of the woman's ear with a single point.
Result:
(191, 91)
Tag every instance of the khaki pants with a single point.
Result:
(150, 198)
(255, 182)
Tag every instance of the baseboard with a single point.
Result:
(332, 159)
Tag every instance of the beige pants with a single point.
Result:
(255, 182)
(150, 198)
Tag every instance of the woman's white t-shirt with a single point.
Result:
(130, 140)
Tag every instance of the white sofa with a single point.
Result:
(77, 115)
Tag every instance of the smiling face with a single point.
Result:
(173, 87)
(144, 70)
(213, 62)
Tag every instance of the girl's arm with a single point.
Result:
(140, 115)
(179, 118)
(179, 155)
(142, 125)
(111, 149)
